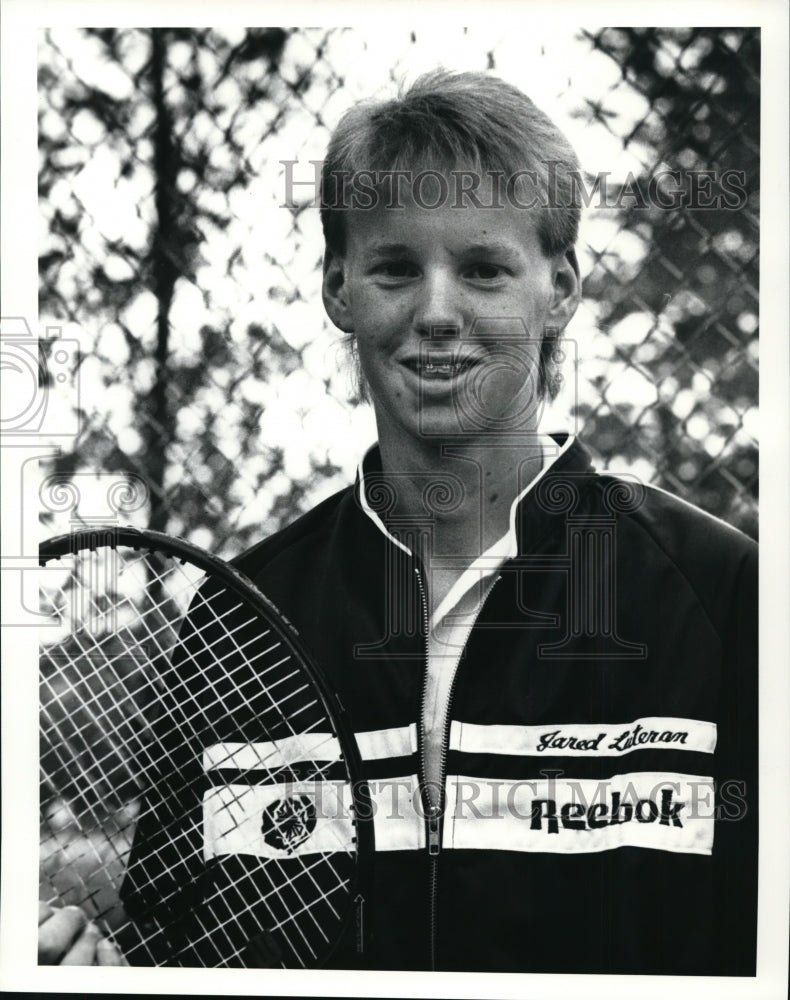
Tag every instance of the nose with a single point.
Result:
(438, 310)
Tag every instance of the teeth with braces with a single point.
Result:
(445, 368)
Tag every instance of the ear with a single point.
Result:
(567, 290)
(334, 291)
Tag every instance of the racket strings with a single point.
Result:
(307, 908)
(199, 603)
(113, 694)
(91, 705)
(128, 696)
(100, 764)
(241, 649)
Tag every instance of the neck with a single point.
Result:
(457, 497)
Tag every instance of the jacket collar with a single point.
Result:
(559, 495)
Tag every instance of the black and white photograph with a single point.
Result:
(384, 400)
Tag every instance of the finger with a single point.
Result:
(44, 911)
(83, 951)
(57, 932)
(108, 953)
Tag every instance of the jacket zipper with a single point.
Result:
(434, 814)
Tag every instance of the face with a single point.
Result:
(448, 307)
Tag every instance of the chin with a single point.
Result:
(449, 429)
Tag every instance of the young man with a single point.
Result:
(559, 666)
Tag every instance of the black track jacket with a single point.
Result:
(601, 796)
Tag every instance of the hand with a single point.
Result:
(65, 937)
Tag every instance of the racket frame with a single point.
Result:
(147, 541)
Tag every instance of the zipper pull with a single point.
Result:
(434, 844)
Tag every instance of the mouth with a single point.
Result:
(440, 365)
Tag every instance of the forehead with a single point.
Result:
(436, 215)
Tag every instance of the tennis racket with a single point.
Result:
(201, 796)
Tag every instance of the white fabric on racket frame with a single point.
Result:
(233, 819)
(289, 750)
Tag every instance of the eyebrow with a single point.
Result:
(495, 246)
(390, 248)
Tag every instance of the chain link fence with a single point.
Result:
(207, 374)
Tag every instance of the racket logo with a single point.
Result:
(287, 823)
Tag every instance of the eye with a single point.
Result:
(396, 269)
(485, 272)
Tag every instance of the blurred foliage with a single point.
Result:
(193, 298)
(697, 281)
(163, 135)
